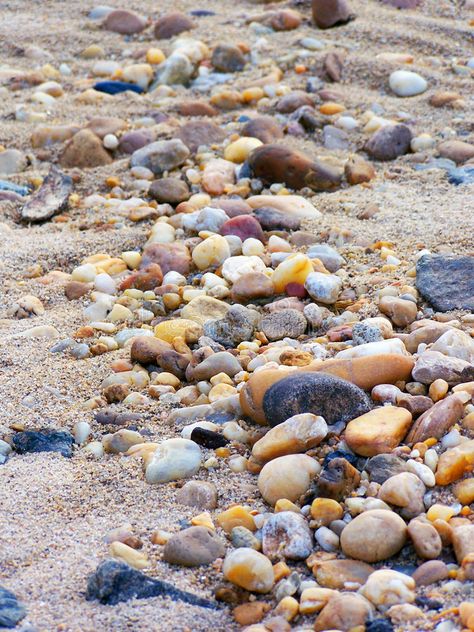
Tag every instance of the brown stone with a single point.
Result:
(169, 190)
(430, 573)
(389, 142)
(401, 312)
(145, 349)
(84, 150)
(425, 538)
(252, 286)
(196, 108)
(378, 431)
(374, 536)
(338, 479)
(436, 421)
(174, 256)
(197, 133)
(327, 13)
(454, 463)
(227, 58)
(265, 128)
(103, 125)
(76, 289)
(337, 573)
(292, 101)
(172, 24)
(463, 542)
(195, 546)
(456, 150)
(358, 170)
(199, 494)
(283, 20)
(333, 65)
(124, 22)
(278, 163)
(249, 613)
(440, 99)
(147, 278)
(345, 611)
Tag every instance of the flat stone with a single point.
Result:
(252, 286)
(378, 431)
(282, 324)
(383, 466)
(297, 434)
(113, 582)
(173, 459)
(124, 22)
(272, 219)
(436, 421)
(44, 441)
(50, 199)
(433, 365)
(172, 24)
(11, 610)
(344, 611)
(430, 573)
(265, 128)
(330, 397)
(220, 362)
(169, 190)
(446, 281)
(170, 257)
(197, 133)
(195, 546)
(338, 573)
(162, 155)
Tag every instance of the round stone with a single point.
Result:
(287, 323)
(407, 84)
(374, 536)
(249, 569)
(173, 460)
(286, 535)
(287, 477)
(297, 434)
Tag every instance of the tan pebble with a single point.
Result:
(287, 477)
(252, 612)
(378, 431)
(425, 538)
(287, 608)
(325, 510)
(297, 434)
(406, 491)
(340, 574)
(438, 389)
(463, 542)
(430, 573)
(374, 536)
(386, 588)
(464, 491)
(249, 569)
(454, 463)
(236, 516)
(125, 553)
(314, 599)
(344, 611)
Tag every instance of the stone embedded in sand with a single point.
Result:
(103, 125)
(357, 170)
(195, 546)
(378, 431)
(338, 574)
(287, 477)
(344, 611)
(374, 536)
(385, 588)
(170, 257)
(252, 286)
(425, 538)
(172, 24)
(12, 161)
(173, 459)
(124, 22)
(249, 569)
(430, 573)
(407, 84)
(436, 421)
(265, 128)
(286, 535)
(196, 108)
(11, 610)
(454, 463)
(286, 323)
(389, 142)
(134, 140)
(197, 133)
(122, 440)
(297, 434)
(47, 440)
(330, 397)
(200, 494)
(84, 150)
(146, 349)
(327, 13)
(456, 150)
(400, 311)
(277, 163)
(236, 516)
(124, 553)
(227, 58)
(203, 308)
(292, 205)
(169, 190)
(338, 479)
(114, 582)
(406, 491)
(446, 281)
(144, 279)
(162, 155)
(293, 100)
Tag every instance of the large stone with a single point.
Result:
(85, 150)
(454, 463)
(338, 574)
(113, 582)
(405, 491)
(436, 421)
(344, 612)
(197, 133)
(249, 569)
(195, 546)
(455, 344)
(170, 257)
(11, 610)
(297, 434)
(389, 142)
(277, 163)
(162, 155)
(169, 190)
(374, 536)
(287, 477)
(327, 13)
(44, 441)
(173, 459)
(51, 198)
(203, 308)
(378, 431)
(383, 466)
(251, 287)
(432, 365)
(330, 397)
(446, 281)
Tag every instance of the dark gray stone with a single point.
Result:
(331, 397)
(446, 281)
(272, 219)
(113, 582)
(11, 610)
(44, 441)
(389, 142)
(383, 466)
(227, 58)
(236, 326)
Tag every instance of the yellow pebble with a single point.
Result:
(155, 56)
(281, 570)
(438, 389)
(236, 516)
(239, 150)
(440, 512)
(464, 491)
(132, 259)
(287, 608)
(325, 510)
(294, 269)
(283, 504)
(331, 108)
(132, 557)
(203, 520)
(221, 378)
(223, 453)
(252, 94)
(221, 391)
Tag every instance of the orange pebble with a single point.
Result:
(331, 108)
(112, 181)
(300, 69)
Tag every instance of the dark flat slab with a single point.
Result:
(446, 281)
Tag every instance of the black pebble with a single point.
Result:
(379, 625)
(352, 458)
(44, 441)
(208, 438)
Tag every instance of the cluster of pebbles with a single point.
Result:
(251, 337)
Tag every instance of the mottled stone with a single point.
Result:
(378, 431)
(383, 466)
(286, 535)
(199, 494)
(85, 150)
(338, 479)
(297, 434)
(162, 155)
(227, 58)
(44, 441)
(344, 611)
(446, 281)
(338, 574)
(11, 610)
(285, 323)
(436, 421)
(405, 491)
(195, 546)
(169, 190)
(174, 256)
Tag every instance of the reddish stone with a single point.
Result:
(172, 24)
(196, 108)
(145, 279)
(124, 22)
(173, 256)
(244, 226)
(233, 207)
(296, 289)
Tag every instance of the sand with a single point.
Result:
(55, 512)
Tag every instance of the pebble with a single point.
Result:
(345, 610)
(339, 573)
(287, 323)
(385, 588)
(406, 491)
(327, 13)
(199, 494)
(220, 362)
(407, 84)
(251, 287)
(456, 150)
(402, 313)
(172, 24)
(227, 58)
(116, 87)
(323, 288)
(454, 463)
(249, 569)
(169, 190)
(195, 546)
(389, 142)
(425, 538)
(286, 535)
(51, 198)
(287, 477)
(297, 434)
(124, 22)
(173, 459)
(338, 478)
(374, 536)
(436, 421)
(430, 573)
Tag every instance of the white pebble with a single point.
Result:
(110, 141)
(407, 84)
